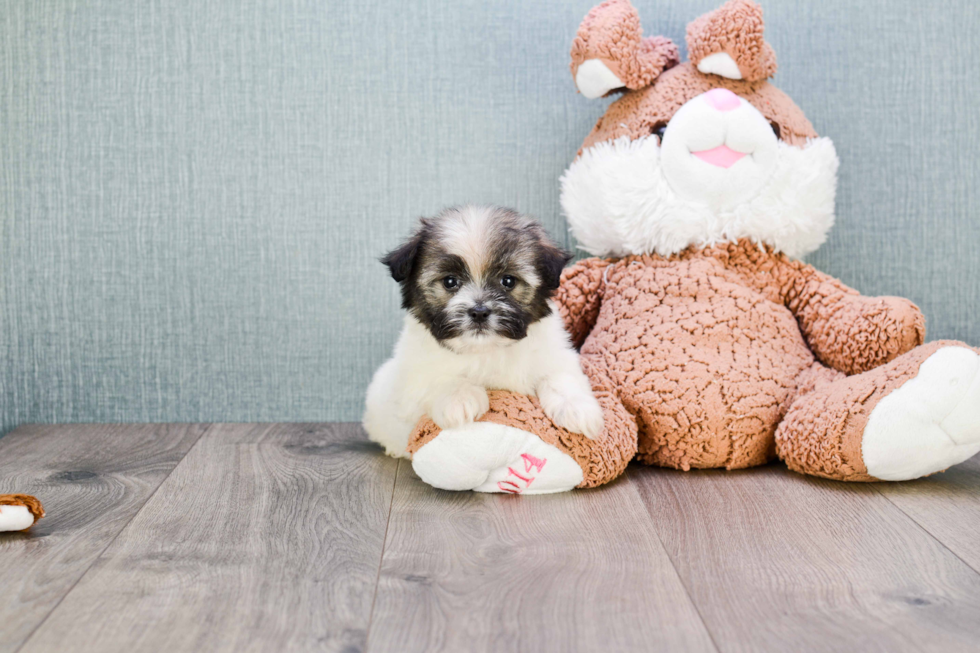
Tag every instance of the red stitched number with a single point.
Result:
(523, 478)
(532, 462)
(514, 489)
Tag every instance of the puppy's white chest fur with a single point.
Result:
(499, 364)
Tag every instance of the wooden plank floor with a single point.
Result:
(92, 480)
(293, 537)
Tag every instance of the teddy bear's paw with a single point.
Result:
(930, 423)
(489, 457)
(15, 518)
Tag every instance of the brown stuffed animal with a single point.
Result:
(18, 512)
(707, 342)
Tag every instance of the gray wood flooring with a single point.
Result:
(295, 537)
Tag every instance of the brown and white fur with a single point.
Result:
(477, 284)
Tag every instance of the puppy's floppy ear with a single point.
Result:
(551, 261)
(401, 260)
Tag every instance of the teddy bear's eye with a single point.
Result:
(775, 129)
(658, 130)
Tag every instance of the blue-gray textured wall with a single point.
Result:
(193, 194)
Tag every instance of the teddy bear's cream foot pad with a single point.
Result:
(488, 457)
(930, 423)
(15, 518)
(18, 512)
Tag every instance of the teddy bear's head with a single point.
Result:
(693, 153)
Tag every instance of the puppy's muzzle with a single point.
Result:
(479, 314)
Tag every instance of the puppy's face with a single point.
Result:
(477, 275)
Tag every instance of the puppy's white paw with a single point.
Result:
(465, 404)
(576, 411)
(579, 415)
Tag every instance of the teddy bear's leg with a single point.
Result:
(488, 456)
(914, 416)
(515, 448)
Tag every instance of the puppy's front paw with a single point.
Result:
(464, 405)
(577, 412)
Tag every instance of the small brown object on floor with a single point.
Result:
(31, 503)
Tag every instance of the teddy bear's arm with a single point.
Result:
(579, 297)
(844, 329)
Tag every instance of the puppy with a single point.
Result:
(476, 282)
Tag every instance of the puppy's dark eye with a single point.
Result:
(450, 283)
(658, 130)
(775, 129)
(508, 281)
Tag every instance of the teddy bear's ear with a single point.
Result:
(728, 42)
(609, 51)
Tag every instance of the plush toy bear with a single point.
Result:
(708, 343)
(18, 512)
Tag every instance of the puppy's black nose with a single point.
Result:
(479, 313)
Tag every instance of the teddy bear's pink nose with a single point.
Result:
(722, 99)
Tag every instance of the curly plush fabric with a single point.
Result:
(878, 328)
(636, 114)
(696, 359)
(736, 29)
(580, 295)
(710, 347)
(26, 500)
(612, 34)
(31, 503)
(822, 433)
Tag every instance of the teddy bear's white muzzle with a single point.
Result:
(718, 150)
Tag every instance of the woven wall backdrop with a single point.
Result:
(194, 195)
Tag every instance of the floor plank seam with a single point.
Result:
(926, 531)
(112, 541)
(680, 577)
(381, 561)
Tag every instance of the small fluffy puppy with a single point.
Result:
(476, 282)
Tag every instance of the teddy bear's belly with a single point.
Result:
(707, 368)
